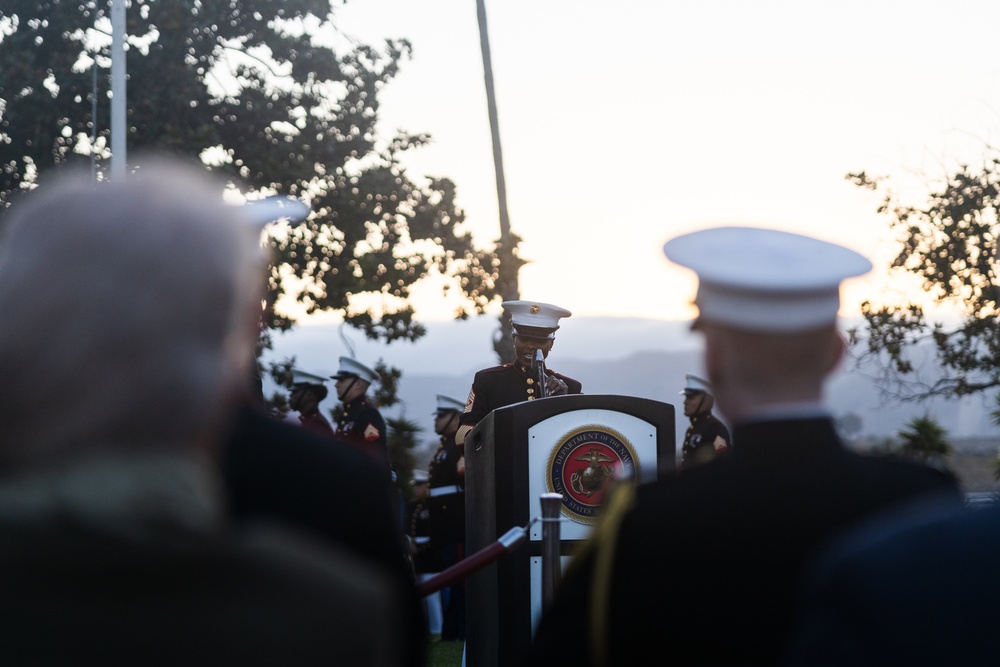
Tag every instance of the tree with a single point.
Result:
(924, 439)
(950, 243)
(249, 87)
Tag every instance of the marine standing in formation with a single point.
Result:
(534, 327)
(308, 391)
(707, 435)
(446, 503)
(361, 424)
(424, 558)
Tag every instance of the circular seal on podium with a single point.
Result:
(583, 463)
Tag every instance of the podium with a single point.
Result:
(573, 445)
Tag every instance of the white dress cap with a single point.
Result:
(449, 404)
(535, 315)
(259, 212)
(302, 377)
(695, 385)
(350, 367)
(764, 279)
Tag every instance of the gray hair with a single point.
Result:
(127, 313)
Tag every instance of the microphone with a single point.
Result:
(538, 369)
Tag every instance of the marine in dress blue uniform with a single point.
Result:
(707, 436)
(447, 487)
(361, 424)
(308, 391)
(446, 505)
(702, 567)
(425, 557)
(534, 326)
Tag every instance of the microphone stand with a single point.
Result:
(538, 368)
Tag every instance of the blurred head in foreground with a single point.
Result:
(767, 303)
(129, 310)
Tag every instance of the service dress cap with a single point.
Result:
(302, 378)
(695, 385)
(350, 367)
(765, 280)
(420, 477)
(259, 212)
(534, 318)
(448, 404)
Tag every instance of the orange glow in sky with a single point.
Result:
(625, 124)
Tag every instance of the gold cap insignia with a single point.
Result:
(534, 309)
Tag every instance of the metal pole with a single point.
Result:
(93, 118)
(119, 118)
(551, 538)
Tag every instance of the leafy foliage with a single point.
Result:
(252, 88)
(924, 439)
(950, 243)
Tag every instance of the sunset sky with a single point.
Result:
(624, 124)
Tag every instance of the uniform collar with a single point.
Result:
(701, 416)
(785, 411)
(357, 402)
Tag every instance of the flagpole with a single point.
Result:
(119, 120)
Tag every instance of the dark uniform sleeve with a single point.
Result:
(447, 496)
(369, 428)
(721, 432)
(477, 406)
(363, 427)
(572, 386)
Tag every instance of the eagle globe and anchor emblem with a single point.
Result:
(583, 463)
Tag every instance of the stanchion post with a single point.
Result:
(551, 538)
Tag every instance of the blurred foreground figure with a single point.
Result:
(916, 588)
(136, 304)
(701, 568)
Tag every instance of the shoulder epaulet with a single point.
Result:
(494, 369)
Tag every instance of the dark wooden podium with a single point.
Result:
(572, 445)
